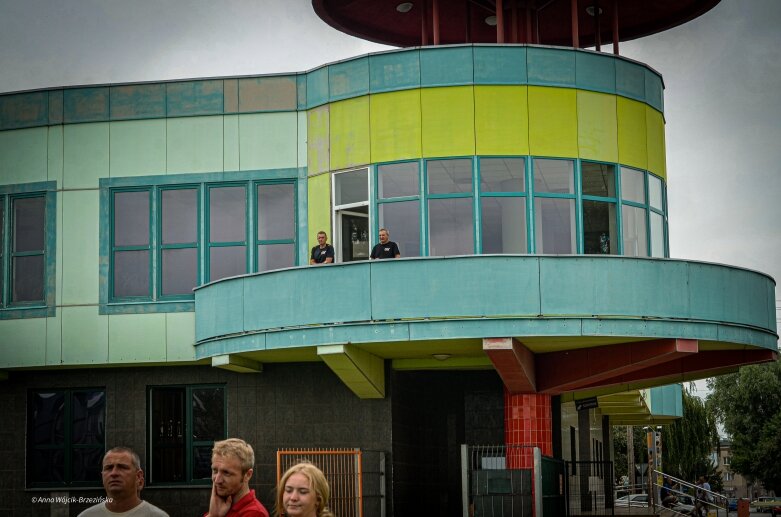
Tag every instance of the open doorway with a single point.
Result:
(351, 215)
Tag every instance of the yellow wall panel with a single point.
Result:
(501, 120)
(350, 133)
(319, 207)
(553, 121)
(597, 126)
(448, 116)
(395, 126)
(632, 139)
(318, 140)
(656, 144)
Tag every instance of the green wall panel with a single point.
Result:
(180, 336)
(550, 66)
(27, 109)
(302, 123)
(553, 121)
(86, 104)
(194, 144)
(318, 140)
(448, 121)
(54, 340)
(188, 98)
(55, 154)
(58, 268)
(136, 338)
(80, 247)
(394, 70)
(632, 137)
(84, 336)
(597, 126)
(446, 66)
(230, 142)
(23, 155)
(23, 342)
(137, 147)
(86, 155)
(349, 133)
(395, 126)
(268, 140)
(348, 78)
(501, 120)
(137, 101)
(655, 142)
(319, 204)
(500, 65)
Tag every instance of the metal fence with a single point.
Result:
(497, 480)
(590, 488)
(342, 468)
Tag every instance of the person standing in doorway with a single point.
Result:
(386, 248)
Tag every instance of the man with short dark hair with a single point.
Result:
(385, 249)
(123, 480)
(232, 462)
(323, 253)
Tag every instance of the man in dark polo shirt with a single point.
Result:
(385, 249)
(323, 253)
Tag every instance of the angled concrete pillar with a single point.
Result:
(362, 372)
(236, 363)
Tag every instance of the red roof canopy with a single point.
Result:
(464, 21)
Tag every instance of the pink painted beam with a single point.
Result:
(559, 372)
(513, 362)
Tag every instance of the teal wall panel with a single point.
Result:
(230, 91)
(86, 105)
(630, 80)
(56, 107)
(24, 110)
(268, 140)
(302, 139)
(23, 342)
(222, 312)
(230, 142)
(274, 93)
(23, 155)
(54, 340)
(568, 286)
(446, 66)
(348, 79)
(180, 336)
(194, 144)
(500, 65)
(666, 400)
(595, 72)
(136, 101)
(80, 247)
(282, 298)
(86, 154)
(317, 87)
(54, 154)
(194, 98)
(394, 71)
(136, 338)
(551, 67)
(654, 90)
(301, 90)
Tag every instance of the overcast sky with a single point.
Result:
(722, 75)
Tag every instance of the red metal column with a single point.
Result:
(615, 27)
(514, 31)
(574, 15)
(499, 22)
(598, 26)
(435, 19)
(527, 421)
(424, 24)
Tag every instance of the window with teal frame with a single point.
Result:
(27, 245)
(170, 236)
(599, 232)
(65, 437)
(502, 187)
(554, 206)
(184, 422)
(398, 204)
(450, 207)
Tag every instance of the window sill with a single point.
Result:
(23, 312)
(147, 307)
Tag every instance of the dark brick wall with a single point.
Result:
(286, 406)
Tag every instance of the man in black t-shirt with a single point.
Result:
(386, 248)
(323, 253)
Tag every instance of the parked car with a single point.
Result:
(633, 500)
(767, 504)
(732, 504)
(685, 504)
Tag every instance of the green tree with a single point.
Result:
(619, 448)
(748, 404)
(687, 443)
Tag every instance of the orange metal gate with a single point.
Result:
(342, 468)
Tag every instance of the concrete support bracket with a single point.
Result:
(362, 372)
(236, 363)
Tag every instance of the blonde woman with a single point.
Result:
(303, 491)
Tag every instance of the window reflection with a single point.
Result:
(634, 230)
(402, 219)
(555, 225)
(503, 224)
(451, 226)
(554, 176)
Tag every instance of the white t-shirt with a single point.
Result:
(142, 510)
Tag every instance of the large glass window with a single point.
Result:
(554, 206)
(599, 209)
(162, 229)
(503, 205)
(450, 214)
(65, 437)
(23, 229)
(398, 210)
(351, 215)
(634, 230)
(184, 423)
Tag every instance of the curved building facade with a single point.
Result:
(156, 290)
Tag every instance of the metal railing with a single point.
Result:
(705, 501)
